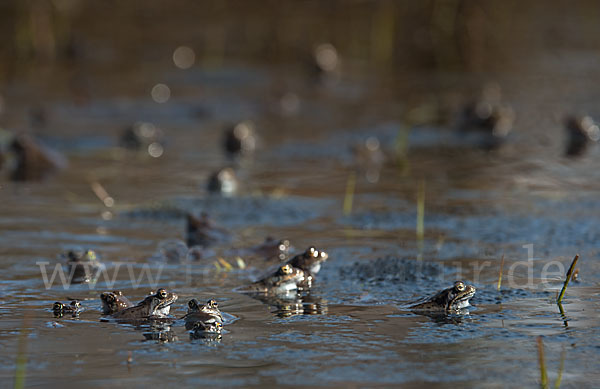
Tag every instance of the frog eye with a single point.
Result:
(287, 269)
(161, 293)
(58, 306)
(312, 251)
(75, 303)
(91, 254)
(118, 292)
(459, 285)
(108, 297)
(212, 304)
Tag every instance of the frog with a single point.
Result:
(487, 117)
(308, 262)
(581, 132)
(114, 301)
(33, 161)
(271, 250)
(202, 231)
(59, 309)
(285, 279)
(156, 305)
(143, 136)
(206, 313)
(239, 139)
(449, 300)
(223, 181)
(83, 266)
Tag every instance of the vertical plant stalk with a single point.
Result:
(21, 362)
(569, 274)
(543, 374)
(349, 197)
(500, 272)
(420, 216)
(558, 381)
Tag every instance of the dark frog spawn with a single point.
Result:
(448, 300)
(59, 309)
(113, 302)
(155, 306)
(83, 266)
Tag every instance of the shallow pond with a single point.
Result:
(524, 202)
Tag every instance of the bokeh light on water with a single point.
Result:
(184, 57)
(161, 93)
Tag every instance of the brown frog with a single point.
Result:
(156, 305)
(207, 313)
(240, 139)
(269, 250)
(34, 161)
(285, 279)
(83, 266)
(204, 232)
(452, 299)
(113, 302)
(59, 309)
(223, 181)
(310, 263)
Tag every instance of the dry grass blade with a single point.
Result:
(500, 272)
(568, 278)
(349, 197)
(543, 374)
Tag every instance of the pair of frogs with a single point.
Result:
(201, 319)
(297, 273)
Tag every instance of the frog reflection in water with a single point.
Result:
(113, 302)
(448, 300)
(287, 306)
(61, 309)
(156, 305)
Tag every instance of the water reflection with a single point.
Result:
(160, 332)
(292, 304)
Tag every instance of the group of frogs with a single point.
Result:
(290, 276)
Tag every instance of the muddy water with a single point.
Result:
(351, 328)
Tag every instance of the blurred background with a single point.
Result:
(403, 53)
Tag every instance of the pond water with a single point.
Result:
(524, 202)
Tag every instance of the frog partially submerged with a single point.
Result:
(83, 266)
(310, 260)
(310, 263)
(113, 302)
(207, 313)
(269, 250)
(285, 279)
(59, 309)
(210, 332)
(223, 181)
(452, 299)
(156, 305)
